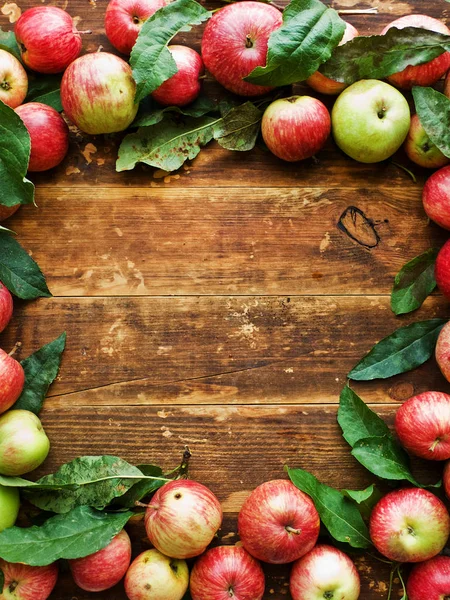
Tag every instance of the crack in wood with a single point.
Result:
(359, 228)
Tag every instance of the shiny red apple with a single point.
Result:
(442, 351)
(446, 479)
(6, 307)
(23, 582)
(436, 197)
(442, 269)
(13, 80)
(183, 87)
(430, 580)
(12, 379)
(420, 149)
(154, 576)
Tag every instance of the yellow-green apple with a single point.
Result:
(183, 518)
(370, 120)
(324, 85)
(409, 525)
(9, 506)
(124, 19)
(103, 569)
(436, 197)
(48, 39)
(442, 269)
(12, 379)
(227, 572)
(442, 351)
(23, 582)
(430, 580)
(7, 211)
(49, 135)
(296, 128)
(420, 149)
(235, 42)
(6, 311)
(183, 87)
(97, 93)
(428, 73)
(325, 572)
(23, 442)
(154, 576)
(13, 80)
(278, 523)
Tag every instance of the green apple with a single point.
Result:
(9, 506)
(23, 442)
(370, 121)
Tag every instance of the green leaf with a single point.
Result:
(9, 43)
(18, 271)
(75, 534)
(339, 515)
(45, 89)
(41, 369)
(144, 488)
(15, 482)
(239, 128)
(306, 39)
(377, 56)
(200, 107)
(366, 499)
(403, 350)
(414, 283)
(150, 59)
(357, 420)
(433, 110)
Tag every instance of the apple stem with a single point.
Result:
(141, 504)
(434, 446)
(184, 467)
(16, 347)
(290, 529)
(85, 32)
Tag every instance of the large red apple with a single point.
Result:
(278, 523)
(227, 572)
(48, 39)
(12, 379)
(430, 580)
(124, 19)
(7, 211)
(442, 351)
(183, 518)
(430, 72)
(442, 269)
(420, 149)
(409, 525)
(235, 42)
(23, 582)
(436, 197)
(6, 307)
(49, 135)
(105, 568)
(154, 576)
(13, 80)
(183, 87)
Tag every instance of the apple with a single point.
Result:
(436, 197)
(124, 19)
(325, 572)
(296, 128)
(49, 135)
(370, 120)
(420, 149)
(227, 572)
(13, 80)
(48, 39)
(23, 442)
(430, 580)
(23, 582)
(7, 211)
(6, 311)
(278, 523)
(9, 506)
(324, 85)
(442, 269)
(428, 73)
(442, 351)
(409, 525)
(235, 42)
(183, 518)
(103, 569)
(154, 576)
(97, 93)
(12, 379)
(183, 87)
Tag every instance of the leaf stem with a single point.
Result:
(358, 11)
(391, 580)
(410, 173)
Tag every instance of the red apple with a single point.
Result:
(442, 269)
(124, 19)
(442, 351)
(325, 572)
(430, 580)
(409, 525)
(7, 211)
(436, 197)
(296, 128)
(49, 135)
(12, 379)
(23, 582)
(183, 518)
(153, 576)
(446, 479)
(227, 572)
(105, 568)
(420, 149)
(6, 307)
(183, 87)
(278, 523)
(235, 42)
(430, 72)
(13, 80)
(48, 39)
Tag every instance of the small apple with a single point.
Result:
(227, 572)
(23, 582)
(278, 523)
(48, 39)
(105, 568)
(442, 351)
(430, 580)
(182, 518)
(409, 525)
(23, 443)
(296, 128)
(420, 149)
(12, 380)
(325, 572)
(153, 576)
(442, 269)
(446, 479)
(430, 72)
(235, 42)
(49, 135)
(124, 19)
(183, 87)
(7, 211)
(97, 93)
(6, 311)
(9, 506)
(13, 80)
(436, 197)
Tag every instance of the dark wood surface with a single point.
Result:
(221, 306)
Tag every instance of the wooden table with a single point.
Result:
(220, 307)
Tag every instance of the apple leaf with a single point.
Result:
(239, 128)
(200, 107)
(78, 533)
(45, 89)
(150, 59)
(9, 43)
(357, 420)
(309, 32)
(377, 56)
(143, 488)
(433, 110)
(365, 499)
(414, 283)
